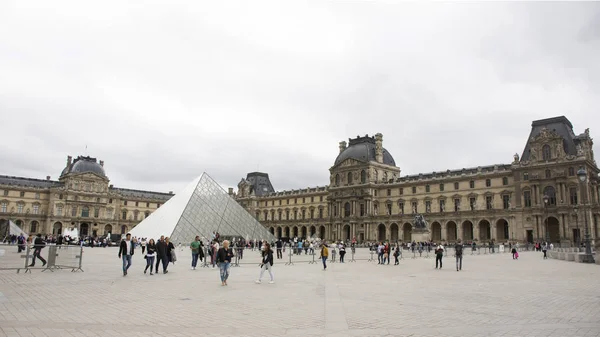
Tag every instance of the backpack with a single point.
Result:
(458, 249)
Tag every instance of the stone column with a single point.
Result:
(459, 231)
(476, 231)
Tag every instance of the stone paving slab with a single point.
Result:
(492, 296)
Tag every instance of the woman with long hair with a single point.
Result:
(267, 263)
(151, 247)
(224, 255)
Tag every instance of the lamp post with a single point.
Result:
(546, 199)
(577, 240)
(582, 175)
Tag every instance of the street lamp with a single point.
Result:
(575, 211)
(582, 175)
(546, 200)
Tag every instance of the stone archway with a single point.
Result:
(436, 232)
(34, 227)
(553, 230)
(322, 232)
(502, 230)
(467, 231)
(312, 231)
(295, 231)
(279, 232)
(394, 232)
(123, 229)
(485, 231)
(84, 229)
(287, 232)
(107, 229)
(451, 231)
(346, 233)
(57, 228)
(304, 232)
(272, 230)
(381, 232)
(407, 232)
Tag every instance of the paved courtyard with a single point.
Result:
(492, 296)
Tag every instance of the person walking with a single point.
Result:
(342, 252)
(143, 245)
(38, 245)
(439, 254)
(161, 255)
(515, 253)
(267, 263)
(279, 246)
(458, 251)
(126, 252)
(545, 250)
(172, 257)
(195, 247)
(224, 255)
(396, 255)
(324, 255)
(150, 255)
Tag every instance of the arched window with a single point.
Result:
(363, 177)
(551, 193)
(347, 209)
(123, 229)
(337, 180)
(546, 152)
(548, 174)
(33, 227)
(85, 212)
(124, 215)
(349, 178)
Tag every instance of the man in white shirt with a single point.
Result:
(126, 252)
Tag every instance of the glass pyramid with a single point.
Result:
(201, 209)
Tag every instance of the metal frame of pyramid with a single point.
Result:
(202, 208)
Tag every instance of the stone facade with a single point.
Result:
(81, 198)
(370, 200)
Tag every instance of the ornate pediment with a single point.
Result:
(545, 135)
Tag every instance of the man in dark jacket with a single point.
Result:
(458, 250)
(126, 252)
(162, 254)
(38, 244)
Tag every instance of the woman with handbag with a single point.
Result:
(151, 247)
(170, 251)
(267, 263)
(224, 255)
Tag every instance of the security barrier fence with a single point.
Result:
(24, 257)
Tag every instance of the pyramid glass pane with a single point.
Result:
(210, 209)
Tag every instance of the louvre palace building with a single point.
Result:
(82, 198)
(538, 196)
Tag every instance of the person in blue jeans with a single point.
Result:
(126, 250)
(324, 255)
(224, 255)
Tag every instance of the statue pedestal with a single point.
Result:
(420, 235)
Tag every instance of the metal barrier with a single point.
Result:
(52, 257)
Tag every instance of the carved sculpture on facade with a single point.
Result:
(516, 158)
(420, 222)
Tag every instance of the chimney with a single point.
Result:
(47, 177)
(230, 191)
(342, 146)
(379, 147)
(102, 163)
(69, 160)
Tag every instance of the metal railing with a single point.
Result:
(50, 257)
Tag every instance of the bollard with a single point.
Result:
(371, 258)
(290, 263)
(313, 259)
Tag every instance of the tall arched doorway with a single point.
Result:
(84, 229)
(34, 227)
(381, 232)
(485, 232)
(394, 232)
(553, 229)
(407, 232)
(279, 232)
(123, 229)
(502, 230)
(322, 232)
(107, 229)
(313, 231)
(295, 231)
(287, 231)
(304, 232)
(451, 231)
(346, 233)
(272, 230)
(436, 231)
(467, 231)
(57, 228)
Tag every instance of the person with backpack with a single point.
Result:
(396, 255)
(439, 254)
(38, 245)
(458, 251)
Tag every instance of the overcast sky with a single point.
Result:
(162, 91)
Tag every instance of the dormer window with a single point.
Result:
(546, 152)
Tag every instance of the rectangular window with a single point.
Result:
(22, 194)
(295, 215)
(295, 200)
(375, 192)
(488, 183)
(147, 205)
(85, 212)
(472, 184)
(3, 207)
(335, 211)
(287, 215)
(20, 208)
(389, 209)
(303, 200)
(427, 206)
(303, 214)
(96, 212)
(389, 192)
(573, 195)
(527, 198)
(571, 171)
(320, 213)
(426, 188)
(362, 209)
(125, 203)
(312, 199)
(37, 195)
(157, 205)
(109, 214)
(279, 202)
(472, 203)
(442, 205)
(60, 196)
(414, 207)
(456, 185)
(414, 189)
(506, 201)
(401, 205)
(124, 215)
(6, 193)
(74, 211)
(488, 202)
(456, 205)
(401, 191)
(59, 210)
(312, 213)
(321, 198)
(525, 175)
(137, 204)
(109, 201)
(36, 209)
(441, 187)
(505, 181)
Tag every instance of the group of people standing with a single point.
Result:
(162, 251)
